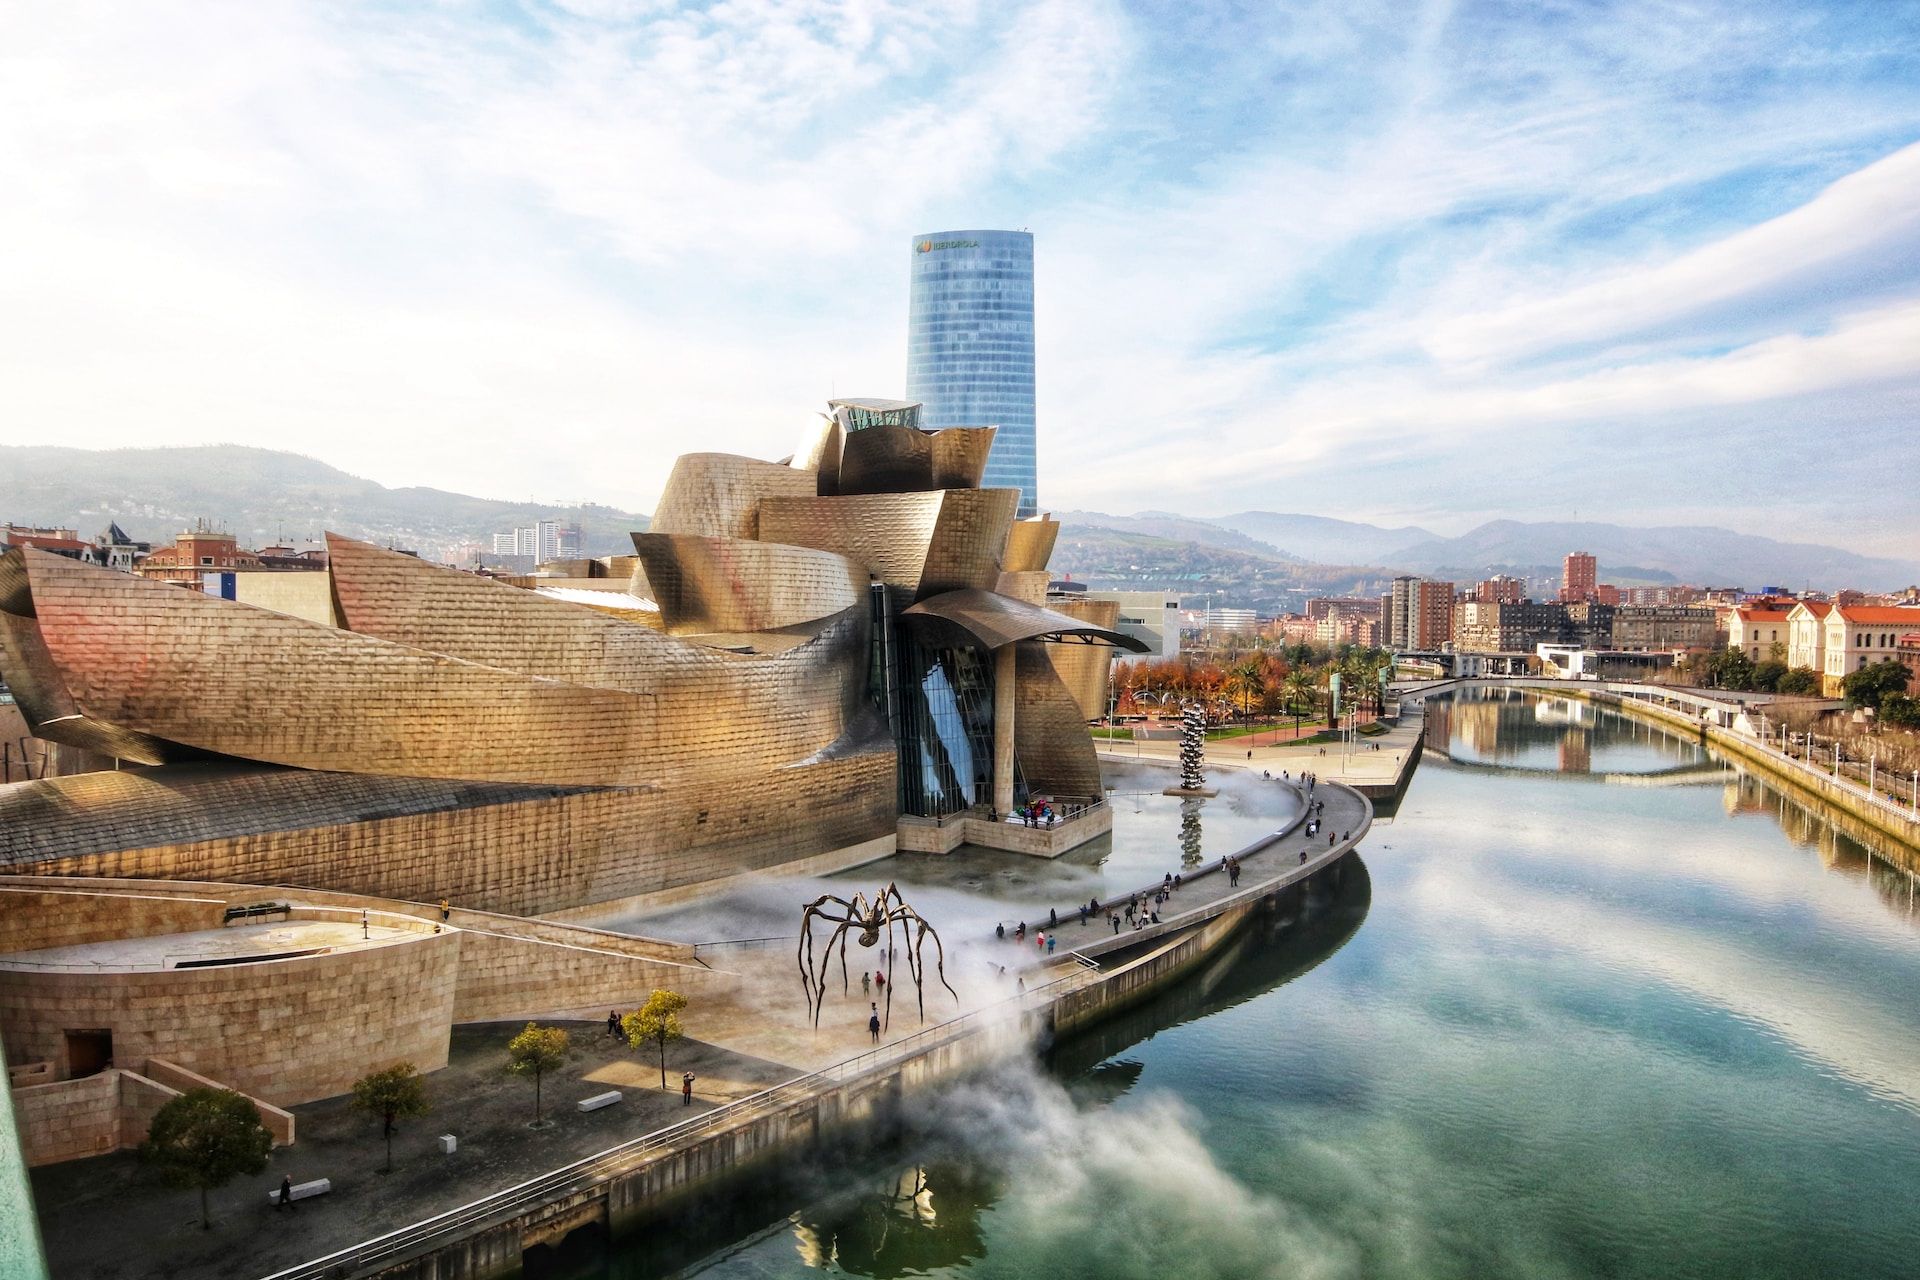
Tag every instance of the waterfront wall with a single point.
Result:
(925, 835)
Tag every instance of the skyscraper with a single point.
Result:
(970, 345)
(1578, 577)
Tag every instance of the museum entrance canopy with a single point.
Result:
(993, 621)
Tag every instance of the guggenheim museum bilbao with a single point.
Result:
(832, 656)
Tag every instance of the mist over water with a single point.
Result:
(1556, 1026)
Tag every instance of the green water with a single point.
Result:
(1554, 1027)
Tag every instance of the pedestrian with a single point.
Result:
(1050, 942)
(873, 1025)
(1053, 918)
(1000, 930)
(1249, 755)
(1329, 839)
(879, 982)
(1167, 879)
(446, 909)
(1176, 882)
(613, 1024)
(686, 1089)
(1021, 984)
(1020, 932)
(1303, 857)
(1040, 939)
(866, 983)
(1093, 905)
(1083, 917)
(286, 1195)
(1115, 922)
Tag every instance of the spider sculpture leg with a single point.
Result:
(811, 981)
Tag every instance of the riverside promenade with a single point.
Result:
(1378, 765)
(1093, 974)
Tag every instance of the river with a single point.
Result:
(1592, 1007)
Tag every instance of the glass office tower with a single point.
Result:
(970, 345)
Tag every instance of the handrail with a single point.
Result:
(589, 1170)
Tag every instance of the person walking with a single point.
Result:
(879, 982)
(613, 1025)
(873, 1024)
(866, 983)
(286, 1195)
(686, 1089)
(1050, 942)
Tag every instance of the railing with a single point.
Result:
(586, 1173)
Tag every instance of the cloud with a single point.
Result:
(1284, 255)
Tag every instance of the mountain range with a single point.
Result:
(1628, 555)
(266, 496)
(1254, 558)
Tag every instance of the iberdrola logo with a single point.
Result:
(926, 246)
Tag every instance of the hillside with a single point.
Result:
(1322, 539)
(1192, 571)
(264, 496)
(1703, 555)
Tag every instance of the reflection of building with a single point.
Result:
(838, 641)
(1576, 751)
(970, 345)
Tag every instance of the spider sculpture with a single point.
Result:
(869, 920)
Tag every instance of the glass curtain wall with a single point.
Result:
(946, 728)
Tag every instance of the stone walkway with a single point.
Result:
(1202, 887)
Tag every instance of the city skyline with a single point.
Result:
(1347, 267)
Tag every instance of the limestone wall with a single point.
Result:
(508, 978)
(70, 1119)
(287, 1031)
(32, 920)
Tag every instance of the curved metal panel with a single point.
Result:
(1050, 737)
(1083, 668)
(1030, 588)
(967, 541)
(717, 495)
(922, 542)
(819, 452)
(707, 585)
(41, 692)
(886, 460)
(1030, 545)
(249, 683)
(960, 456)
(993, 621)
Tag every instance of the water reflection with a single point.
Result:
(1521, 729)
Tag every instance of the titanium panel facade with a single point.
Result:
(970, 345)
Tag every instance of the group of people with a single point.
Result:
(1035, 813)
(1231, 865)
(1043, 941)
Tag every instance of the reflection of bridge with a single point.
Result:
(1701, 773)
(1719, 708)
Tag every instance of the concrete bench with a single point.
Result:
(598, 1101)
(303, 1190)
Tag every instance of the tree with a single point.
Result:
(205, 1138)
(1865, 687)
(1900, 711)
(534, 1052)
(394, 1095)
(658, 1020)
(1800, 680)
(1767, 673)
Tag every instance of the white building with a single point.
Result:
(1755, 629)
(1807, 634)
(1151, 617)
(1859, 635)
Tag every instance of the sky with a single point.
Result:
(1406, 262)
